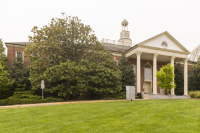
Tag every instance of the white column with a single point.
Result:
(172, 64)
(185, 77)
(154, 73)
(138, 53)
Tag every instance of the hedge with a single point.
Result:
(27, 97)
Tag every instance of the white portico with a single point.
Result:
(160, 49)
(149, 56)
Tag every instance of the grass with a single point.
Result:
(119, 116)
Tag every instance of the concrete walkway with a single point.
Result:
(57, 103)
(159, 96)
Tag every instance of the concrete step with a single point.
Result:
(159, 96)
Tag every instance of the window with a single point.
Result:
(147, 72)
(133, 68)
(116, 62)
(164, 44)
(20, 56)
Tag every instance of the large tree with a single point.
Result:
(127, 72)
(68, 56)
(194, 77)
(195, 53)
(5, 82)
(20, 74)
(165, 78)
(3, 57)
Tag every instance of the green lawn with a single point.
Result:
(119, 116)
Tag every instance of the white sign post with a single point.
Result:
(42, 87)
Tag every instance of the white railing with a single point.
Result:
(109, 41)
(116, 42)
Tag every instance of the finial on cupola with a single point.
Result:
(124, 24)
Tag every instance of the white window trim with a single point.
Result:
(117, 62)
(22, 56)
(134, 68)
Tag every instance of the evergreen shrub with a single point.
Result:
(179, 79)
(127, 72)
(194, 94)
(27, 97)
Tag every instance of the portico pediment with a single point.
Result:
(164, 41)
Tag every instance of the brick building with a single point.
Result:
(146, 57)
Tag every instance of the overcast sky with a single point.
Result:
(147, 18)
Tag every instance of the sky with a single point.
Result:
(147, 18)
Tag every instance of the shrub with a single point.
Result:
(194, 94)
(197, 95)
(120, 95)
(27, 97)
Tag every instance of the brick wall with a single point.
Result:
(143, 63)
(11, 53)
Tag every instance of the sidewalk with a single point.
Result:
(57, 103)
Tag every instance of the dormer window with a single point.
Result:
(164, 44)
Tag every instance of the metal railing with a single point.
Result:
(116, 42)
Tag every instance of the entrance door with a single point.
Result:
(147, 78)
(147, 87)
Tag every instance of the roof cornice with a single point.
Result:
(14, 45)
(162, 49)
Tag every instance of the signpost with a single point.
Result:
(42, 87)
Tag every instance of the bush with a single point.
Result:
(179, 79)
(194, 94)
(120, 95)
(27, 97)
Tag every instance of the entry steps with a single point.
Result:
(160, 96)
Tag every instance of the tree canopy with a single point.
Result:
(68, 56)
(5, 82)
(3, 57)
(195, 53)
(179, 79)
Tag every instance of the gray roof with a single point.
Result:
(115, 47)
(18, 43)
(109, 46)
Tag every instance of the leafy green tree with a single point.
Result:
(193, 81)
(3, 57)
(20, 75)
(194, 77)
(68, 56)
(128, 75)
(166, 77)
(179, 79)
(5, 82)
